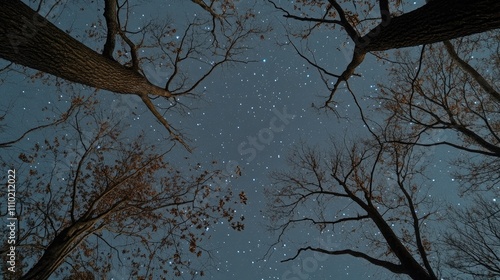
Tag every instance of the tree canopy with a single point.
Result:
(96, 195)
(103, 199)
(436, 98)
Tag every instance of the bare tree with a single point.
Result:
(375, 27)
(451, 91)
(441, 92)
(377, 187)
(93, 200)
(369, 194)
(473, 239)
(120, 64)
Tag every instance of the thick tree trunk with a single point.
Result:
(28, 39)
(58, 250)
(437, 21)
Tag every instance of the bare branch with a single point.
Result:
(357, 59)
(485, 85)
(64, 117)
(385, 14)
(474, 239)
(395, 268)
(110, 14)
(207, 8)
(313, 63)
(416, 226)
(163, 121)
(345, 23)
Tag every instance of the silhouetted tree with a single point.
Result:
(448, 96)
(369, 194)
(473, 240)
(438, 98)
(447, 92)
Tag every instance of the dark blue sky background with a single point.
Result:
(238, 102)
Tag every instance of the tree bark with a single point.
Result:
(437, 21)
(58, 250)
(29, 39)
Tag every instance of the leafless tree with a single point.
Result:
(473, 240)
(382, 181)
(438, 98)
(447, 92)
(369, 194)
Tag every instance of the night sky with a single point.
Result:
(239, 101)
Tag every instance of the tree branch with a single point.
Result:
(395, 268)
(344, 22)
(147, 101)
(445, 143)
(207, 8)
(416, 227)
(357, 59)
(63, 118)
(110, 15)
(313, 63)
(385, 14)
(473, 72)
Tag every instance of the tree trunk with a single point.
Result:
(29, 39)
(411, 267)
(58, 250)
(437, 21)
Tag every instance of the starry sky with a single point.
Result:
(239, 102)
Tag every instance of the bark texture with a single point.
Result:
(437, 21)
(28, 39)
